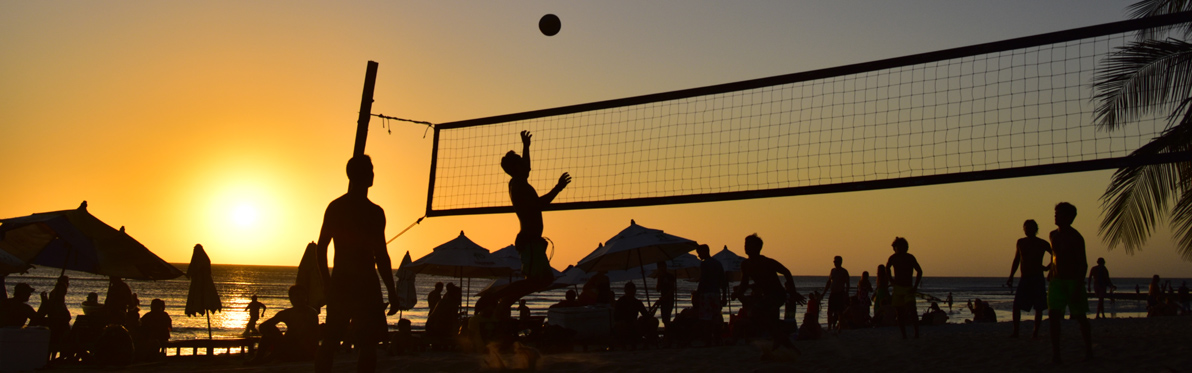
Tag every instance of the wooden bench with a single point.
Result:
(244, 345)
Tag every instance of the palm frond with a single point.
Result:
(1150, 8)
(1138, 195)
(1141, 79)
(1181, 220)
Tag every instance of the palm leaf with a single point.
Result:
(1150, 8)
(1142, 79)
(1138, 195)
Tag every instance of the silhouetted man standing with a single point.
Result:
(1032, 289)
(354, 298)
(837, 288)
(764, 272)
(1068, 266)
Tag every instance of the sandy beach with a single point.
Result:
(1121, 345)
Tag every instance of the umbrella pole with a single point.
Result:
(642, 267)
(210, 348)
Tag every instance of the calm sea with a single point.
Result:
(238, 283)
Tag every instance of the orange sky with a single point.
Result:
(229, 123)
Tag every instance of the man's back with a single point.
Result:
(764, 273)
(357, 227)
(1030, 255)
(711, 276)
(840, 280)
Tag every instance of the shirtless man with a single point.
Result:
(837, 288)
(1068, 266)
(901, 264)
(529, 242)
(1032, 289)
(255, 310)
(354, 296)
(1098, 283)
(764, 273)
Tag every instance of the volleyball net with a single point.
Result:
(1013, 108)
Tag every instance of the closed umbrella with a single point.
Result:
(634, 247)
(202, 299)
(77, 240)
(406, 291)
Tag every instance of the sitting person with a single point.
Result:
(301, 337)
(91, 306)
(811, 329)
(625, 317)
(982, 312)
(155, 330)
(597, 290)
(934, 315)
(442, 324)
(568, 301)
(16, 311)
(404, 341)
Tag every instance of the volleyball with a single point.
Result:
(549, 25)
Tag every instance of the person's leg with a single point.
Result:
(1055, 317)
(1038, 323)
(1017, 317)
(1086, 332)
(335, 327)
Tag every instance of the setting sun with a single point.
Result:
(244, 215)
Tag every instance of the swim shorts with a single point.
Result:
(1068, 294)
(533, 257)
(1031, 294)
(903, 296)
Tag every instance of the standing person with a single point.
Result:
(881, 296)
(434, 297)
(1098, 282)
(666, 292)
(528, 207)
(57, 316)
(864, 292)
(1183, 294)
(837, 288)
(901, 264)
(354, 296)
(950, 296)
(1032, 289)
(1068, 266)
(255, 311)
(1154, 293)
(711, 294)
(770, 294)
(117, 302)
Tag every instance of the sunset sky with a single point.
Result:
(229, 123)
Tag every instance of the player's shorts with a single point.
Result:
(533, 256)
(903, 296)
(1031, 294)
(1068, 294)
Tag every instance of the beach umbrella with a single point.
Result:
(202, 299)
(685, 266)
(77, 240)
(11, 264)
(461, 258)
(731, 262)
(634, 247)
(406, 291)
(311, 278)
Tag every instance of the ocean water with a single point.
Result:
(238, 283)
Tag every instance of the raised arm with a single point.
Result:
(554, 192)
(525, 137)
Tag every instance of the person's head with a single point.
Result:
(514, 165)
(864, 276)
(935, 306)
(1030, 227)
(838, 261)
(299, 296)
(630, 288)
(900, 245)
(157, 305)
(403, 325)
(254, 297)
(21, 292)
(881, 271)
(438, 286)
(753, 245)
(1101, 261)
(93, 297)
(521, 302)
(1065, 213)
(570, 295)
(701, 251)
(1155, 280)
(360, 171)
